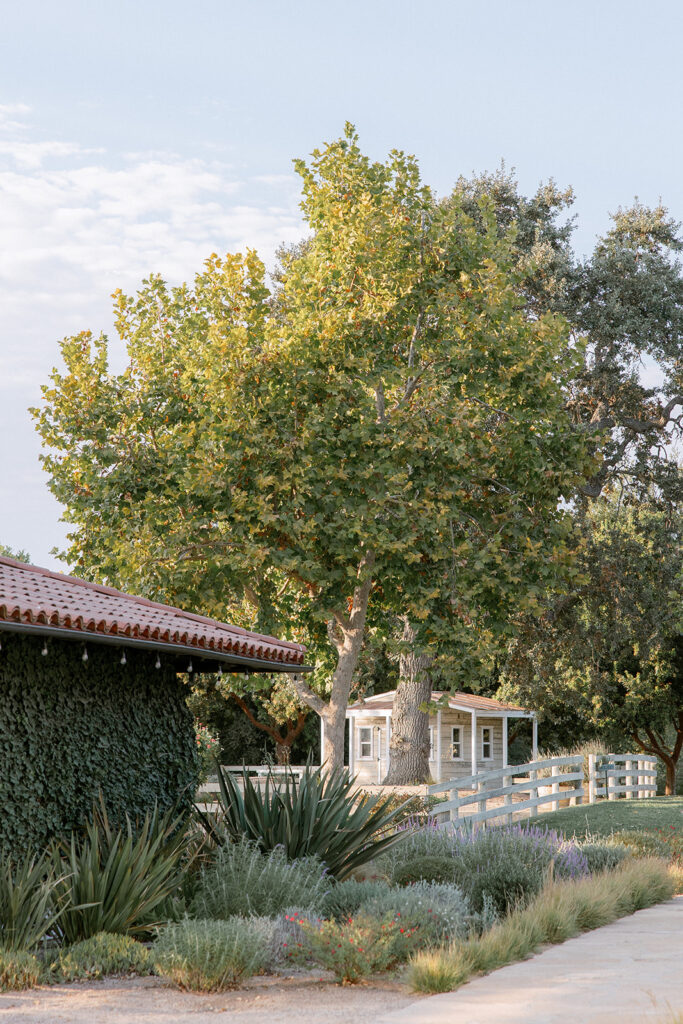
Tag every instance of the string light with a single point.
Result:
(220, 672)
(44, 650)
(157, 663)
(85, 654)
(123, 658)
(189, 667)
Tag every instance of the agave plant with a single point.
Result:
(316, 815)
(29, 907)
(116, 880)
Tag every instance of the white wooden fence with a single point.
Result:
(561, 779)
(632, 775)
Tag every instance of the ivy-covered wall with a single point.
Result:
(71, 728)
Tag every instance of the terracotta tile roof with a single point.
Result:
(31, 596)
(457, 701)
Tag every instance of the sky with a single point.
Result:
(140, 137)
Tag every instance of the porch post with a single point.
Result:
(473, 744)
(387, 719)
(352, 737)
(505, 741)
(534, 738)
(438, 746)
(322, 741)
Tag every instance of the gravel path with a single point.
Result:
(149, 1001)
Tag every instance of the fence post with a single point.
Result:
(533, 791)
(592, 785)
(481, 804)
(507, 798)
(453, 813)
(629, 778)
(555, 790)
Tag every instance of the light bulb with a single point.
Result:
(157, 663)
(189, 667)
(85, 654)
(44, 650)
(123, 658)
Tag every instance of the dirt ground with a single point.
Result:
(268, 1000)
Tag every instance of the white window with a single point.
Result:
(432, 753)
(486, 742)
(456, 743)
(365, 743)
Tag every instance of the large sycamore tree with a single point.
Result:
(382, 434)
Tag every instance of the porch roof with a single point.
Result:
(381, 703)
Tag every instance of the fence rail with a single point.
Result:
(527, 787)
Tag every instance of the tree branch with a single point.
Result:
(307, 695)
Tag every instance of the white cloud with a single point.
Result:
(77, 223)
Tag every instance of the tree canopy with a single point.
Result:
(384, 432)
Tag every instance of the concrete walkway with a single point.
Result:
(628, 972)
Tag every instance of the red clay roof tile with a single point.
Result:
(31, 595)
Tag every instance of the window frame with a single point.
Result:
(371, 730)
(432, 743)
(461, 732)
(483, 742)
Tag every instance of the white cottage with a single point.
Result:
(468, 735)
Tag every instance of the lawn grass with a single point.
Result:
(560, 911)
(609, 816)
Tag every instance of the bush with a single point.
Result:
(27, 905)
(562, 910)
(640, 844)
(211, 956)
(242, 880)
(317, 815)
(419, 841)
(116, 881)
(18, 970)
(435, 913)
(602, 856)
(100, 955)
(354, 948)
(344, 898)
(424, 869)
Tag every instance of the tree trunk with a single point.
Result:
(670, 785)
(409, 747)
(346, 633)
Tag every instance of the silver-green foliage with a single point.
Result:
(101, 955)
(602, 856)
(18, 970)
(28, 908)
(316, 815)
(210, 956)
(117, 880)
(344, 898)
(440, 912)
(243, 880)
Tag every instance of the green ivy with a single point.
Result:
(71, 729)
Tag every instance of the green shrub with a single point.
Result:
(242, 880)
(211, 956)
(72, 729)
(18, 970)
(114, 880)
(434, 912)
(602, 856)
(100, 955)
(28, 910)
(344, 898)
(640, 843)
(424, 869)
(317, 815)
(354, 948)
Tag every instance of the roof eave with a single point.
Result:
(203, 660)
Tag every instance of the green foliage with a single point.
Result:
(208, 750)
(386, 431)
(18, 970)
(244, 881)
(639, 843)
(316, 815)
(436, 913)
(212, 956)
(602, 856)
(18, 556)
(73, 730)
(424, 869)
(354, 948)
(344, 898)
(100, 955)
(117, 880)
(29, 908)
(563, 909)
